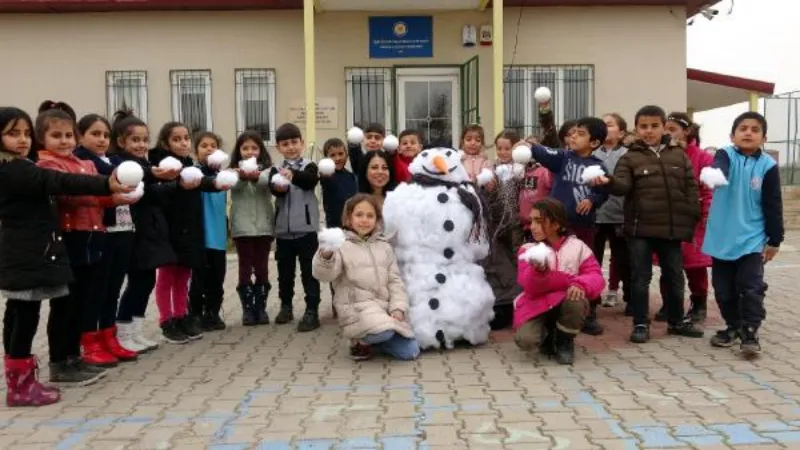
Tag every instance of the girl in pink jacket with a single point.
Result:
(556, 291)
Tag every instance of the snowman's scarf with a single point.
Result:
(472, 200)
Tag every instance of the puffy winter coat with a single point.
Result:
(692, 254)
(661, 199)
(367, 286)
(536, 185)
(572, 264)
(252, 213)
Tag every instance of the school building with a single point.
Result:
(433, 65)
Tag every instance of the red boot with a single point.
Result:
(94, 350)
(23, 385)
(46, 387)
(112, 345)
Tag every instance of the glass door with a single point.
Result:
(428, 101)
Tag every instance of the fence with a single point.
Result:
(783, 136)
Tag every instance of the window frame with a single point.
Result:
(113, 77)
(175, 78)
(388, 93)
(269, 76)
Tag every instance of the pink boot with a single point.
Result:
(47, 387)
(23, 385)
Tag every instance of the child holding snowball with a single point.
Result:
(370, 294)
(252, 225)
(558, 276)
(749, 207)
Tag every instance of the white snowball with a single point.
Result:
(390, 143)
(521, 154)
(136, 194)
(249, 165)
(542, 94)
(280, 180)
(326, 166)
(355, 135)
(170, 163)
(592, 172)
(518, 170)
(130, 173)
(536, 254)
(331, 239)
(226, 179)
(191, 174)
(218, 158)
(485, 177)
(713, 177)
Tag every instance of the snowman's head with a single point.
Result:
(442, 163)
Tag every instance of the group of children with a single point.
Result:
(73, 233)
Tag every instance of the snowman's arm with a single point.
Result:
(398, 299)
(326, 270)
(307, 178)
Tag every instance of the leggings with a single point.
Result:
(137, 293)
(172, 291)
(253, 254)
(116, 260)
(88, 293)
(21, 321)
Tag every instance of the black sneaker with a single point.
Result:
(284, 316)
(686, 329)
(172, 333)
(190, 326)
(640, 334)
(661, 315)
(592, 327)
(78, 364)
(725, 338)
(68, 372)
(750, 345)
(360, 352)
(213, 322)
(309, 322)
(697, 315)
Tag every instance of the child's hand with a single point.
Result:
(398, 316)
(599, 181)
(769, 253)
(326, 254)
(584, 207)
(116, 187)
(286, 173)
(165, 174)
(189, 185)
(576, 294)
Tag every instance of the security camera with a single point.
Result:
(709, 13)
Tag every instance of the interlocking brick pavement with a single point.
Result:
(271, 388)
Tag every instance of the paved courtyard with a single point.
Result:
(271, 388)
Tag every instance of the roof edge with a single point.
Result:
(746, 84)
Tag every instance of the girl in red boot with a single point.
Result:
(81, 220)
(33, 259)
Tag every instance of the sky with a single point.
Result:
(758, 40)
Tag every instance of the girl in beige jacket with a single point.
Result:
(369, 294)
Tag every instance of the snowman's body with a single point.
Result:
(439, 250)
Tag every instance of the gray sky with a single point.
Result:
(757, 40)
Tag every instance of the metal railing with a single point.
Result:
(126, 90)
(782, 112)
(255, 102)
(191, 98)
(370, 91)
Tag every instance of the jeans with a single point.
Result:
(670, 259)
(394, 345)
(697, 279)
(739, 287)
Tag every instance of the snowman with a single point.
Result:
(437, 224)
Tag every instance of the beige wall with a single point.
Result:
(639, 54)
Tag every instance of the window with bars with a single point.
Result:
(572, 88)
(191, 98)
(255, 102)
(369, 97)
(126, 89)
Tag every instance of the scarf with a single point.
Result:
(473, 201)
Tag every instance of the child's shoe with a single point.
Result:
(640, 334)
(125, 336)
(698, 312)
(189, 326)
(113, 346)
(247, 299)
(309, 322)
(138, 334)
(725, 338)
(564, 347)
(750, 345)
(94, 350)
(75, 371)
(23, 386)
(610, 299)
(260, 294)
(686, 329)
(172, 333)
(360, 352)
(285, 315)
(591, 326)
(213, 322)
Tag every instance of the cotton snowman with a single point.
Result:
(437, 224)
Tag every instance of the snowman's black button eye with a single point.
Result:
(448, 153)
(424, 154)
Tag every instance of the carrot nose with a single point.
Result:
(440, 163)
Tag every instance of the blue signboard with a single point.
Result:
(401, 37)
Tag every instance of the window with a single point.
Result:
(572, 88)
(255, 102)
(369, 97)
(191, 98)
(127, 89)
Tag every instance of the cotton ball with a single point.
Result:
(390, 143)
(130, 173)
(536, 254)
(591, 173)
(485, 177)
(521, 154)
(170, 163)
(504, 172)
(191, 174)
(218, 158)
(136, 194)
(713, 177)
(331, 239)
(326, 166)
(355, 135)
(542, 94)
(280, 180)
(249, 165)
(226, 179)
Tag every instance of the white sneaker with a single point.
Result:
(610, 299)
(138, 323)
(125, 333)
